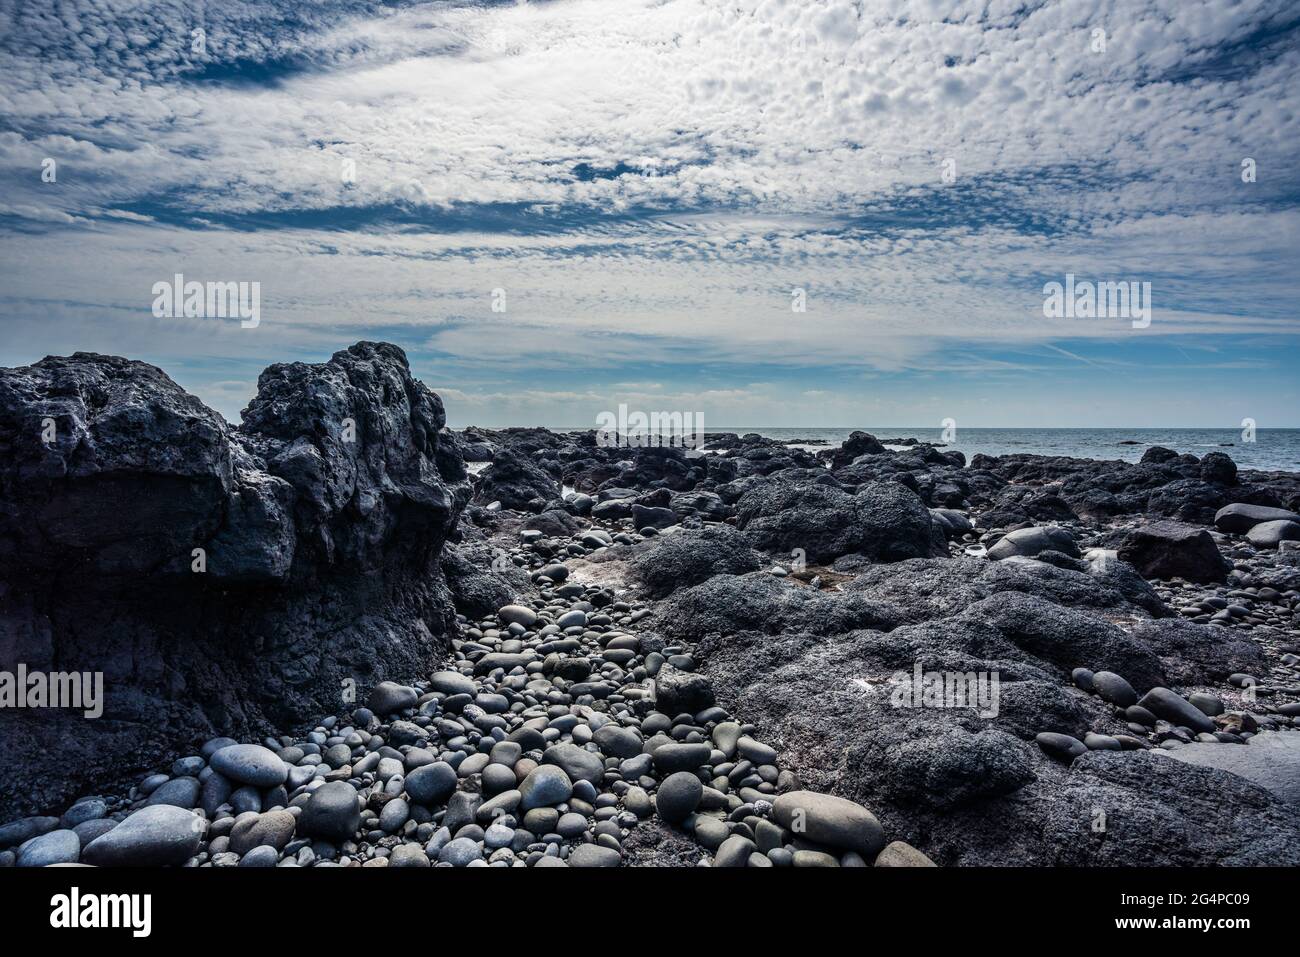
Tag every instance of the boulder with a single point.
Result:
(677, 692)
(1172, 550)
(1239, 518)
(222, 577)
(1218, 468)
(516, 482)
(1272, 534)
(884, 521)
(1028, 542)
(689, 557)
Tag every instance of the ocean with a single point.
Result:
(1272, 449)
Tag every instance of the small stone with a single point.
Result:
(545, 786)
(408, 855)
(678, 796)
(53, 847)
(518, 614)
(1063, 747)
(593, 855)
(1111, 687)
(251, 764)
(900, 854)
(829, 820)
(431, 784)
(734, 852)
(460, 852)
(332, 813)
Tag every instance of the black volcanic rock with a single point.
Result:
(224, 579)
(1173, 550)
(884, 521)
(857, 444)
(516, 482)
(689, 557)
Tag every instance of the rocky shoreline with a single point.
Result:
(662, 657)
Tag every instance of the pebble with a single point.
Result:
(678, 796)
(1063, 747)
(593, 855)
(250, 764)
(1115, 689)
(829, 820)
(53, 847)
(332, 813)
(388, 697)
(545, 786)
(460, 852)
(153, 836)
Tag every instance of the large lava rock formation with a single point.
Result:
(226, 580)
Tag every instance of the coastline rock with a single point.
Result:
(689, 557)
(1171, 550)
(223, 578)
(513, 480)
(1239, 518)
(1029, 542)
(1273, 534)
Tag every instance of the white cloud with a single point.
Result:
(767, 145)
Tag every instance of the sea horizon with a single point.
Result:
(1271, 449)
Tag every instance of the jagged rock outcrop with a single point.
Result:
(224, 579)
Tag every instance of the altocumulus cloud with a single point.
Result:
(648, 182)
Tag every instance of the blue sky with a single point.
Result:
(649, 182)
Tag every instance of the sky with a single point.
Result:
(559, 207)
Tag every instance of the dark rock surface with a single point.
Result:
(884, 521)
(689, 557)
(320, 520)
(514, 480)
(1174, 550)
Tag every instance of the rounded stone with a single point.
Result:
(1115, 689)
(274, 828)
(517, 614)
(151, 837)
(388, 697)
(545, 786)
(452, 682)
(1063, 747)
(594, 855)
(332, 813)
(671, 758)
(900, 854)
(572, 619)
(408, 855)
(617, 742)
(460, 852)
(829, 820)
(678, 796)
(53, 847)
(250, 764)
(431, 784)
